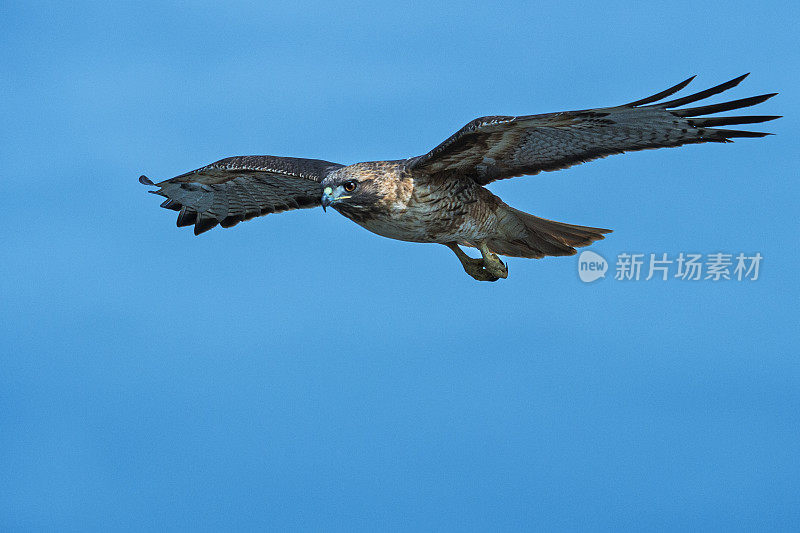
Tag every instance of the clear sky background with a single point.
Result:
(298, 372)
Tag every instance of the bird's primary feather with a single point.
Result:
(239, 188)
(500, 147)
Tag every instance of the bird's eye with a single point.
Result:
(350, 186)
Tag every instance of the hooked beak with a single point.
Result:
(326, 198)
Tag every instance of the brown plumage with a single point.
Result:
(440, 196)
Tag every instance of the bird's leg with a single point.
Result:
(492, 263)
(472, 266)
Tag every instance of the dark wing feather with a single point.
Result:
(240, 188)
(499, 147)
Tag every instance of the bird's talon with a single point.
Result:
(477, 271)
(498, 269)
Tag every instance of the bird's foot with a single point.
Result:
(482, 269)
(493, 265)
(477, 269)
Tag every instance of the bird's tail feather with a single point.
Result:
(525, 235)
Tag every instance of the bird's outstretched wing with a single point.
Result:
(240, 188)
(493, 148)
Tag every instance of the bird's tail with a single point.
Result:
(525, 235)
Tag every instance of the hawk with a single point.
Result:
(440, 197)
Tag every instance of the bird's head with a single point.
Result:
(349, 193)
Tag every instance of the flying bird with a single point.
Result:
(440, 197)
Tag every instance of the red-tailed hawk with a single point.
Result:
(440, 197)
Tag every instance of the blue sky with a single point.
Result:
(298, 372)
